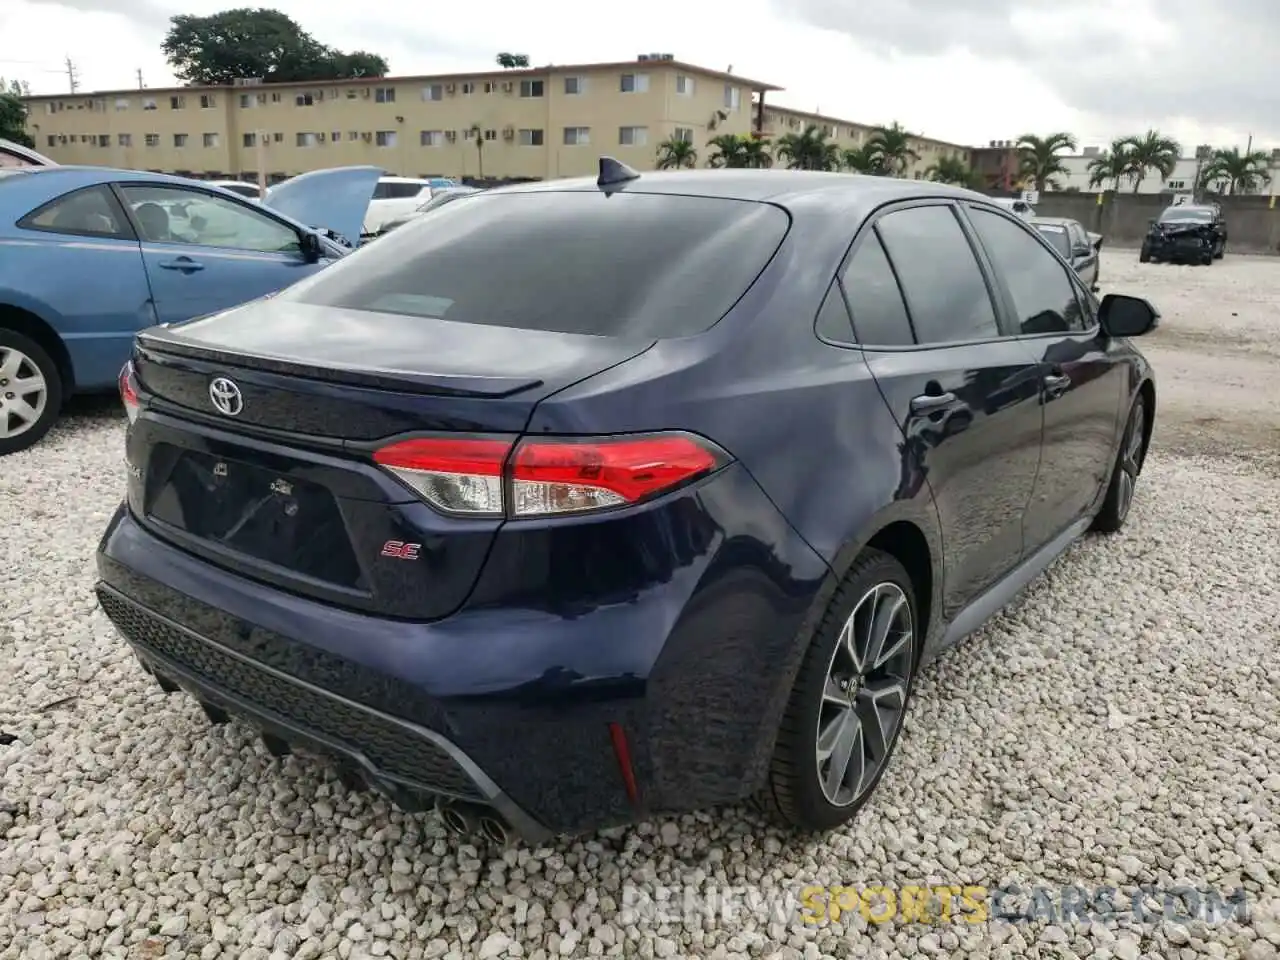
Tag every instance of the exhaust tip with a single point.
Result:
(495, 831)
(457, 821)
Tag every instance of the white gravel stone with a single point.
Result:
(1117, 724)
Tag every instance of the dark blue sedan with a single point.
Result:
(586, 500)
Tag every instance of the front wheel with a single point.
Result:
(1144, 255)
(847, 706)
(1124, 477)
(30, 392)
(1222, 250)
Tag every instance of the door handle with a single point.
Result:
(1056, 384)
(932, 402)
(186, 264)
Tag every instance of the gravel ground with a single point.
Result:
(1117, 725)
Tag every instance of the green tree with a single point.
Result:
(13, 113)
(1038, 158)
(741, 152)
(893, 145)
(1111, 165)
(953, 170)
(808, 150)
(864, 159)
(245, 42)
(1151, 151)
(1238, 172)
(513, 61)
(676, 154)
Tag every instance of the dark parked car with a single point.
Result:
(1079, 247)
(1186, 233)
(585, 500)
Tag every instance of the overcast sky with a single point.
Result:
(962, 70)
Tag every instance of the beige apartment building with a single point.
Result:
(542, 123)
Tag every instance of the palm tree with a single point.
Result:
(513, 61)
(1113, 164)
(953, 170)
(478, 136)
(1038, 157)
(1151, 151)
(1240, 173)
(676, 154)
(809, 150)
(732, 150)
(865, 159)
(893, 144)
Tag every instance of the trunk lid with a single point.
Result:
(282, 486)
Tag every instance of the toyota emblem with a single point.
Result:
(226, 397)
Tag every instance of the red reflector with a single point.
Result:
(622, 753)
(473, 457)
(128, 391)
(625, 470)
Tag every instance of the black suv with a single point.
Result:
(1191, 233)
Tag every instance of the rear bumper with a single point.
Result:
(508, 703)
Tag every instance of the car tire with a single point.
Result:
(1144, 254)
(1124, 476)
(1222, 251)
(1207, 259)
(842, 705)
(25, 362)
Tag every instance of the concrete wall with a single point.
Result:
(1253, 225)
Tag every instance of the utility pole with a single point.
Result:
(71, 74)
(141, 85)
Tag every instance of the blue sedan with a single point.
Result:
(89, 256)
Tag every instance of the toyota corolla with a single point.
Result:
(587, 500)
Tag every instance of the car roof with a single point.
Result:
(81, 175)
(809, 191)
(1054, 221)
(1201, 207)
(391, 179)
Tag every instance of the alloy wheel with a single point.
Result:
(23, 393)
(1131, 459)
(865, 694)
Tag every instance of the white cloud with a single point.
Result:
(1002, 68)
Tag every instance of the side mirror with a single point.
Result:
(1122, 316)
(312, 248)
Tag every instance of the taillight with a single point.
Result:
(547, 476)
(129, 392)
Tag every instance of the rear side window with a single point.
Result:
(1043, 295)
(90, 212)
(1058, 238)
(940, 277)
(396, 191)
(879, 315)
(627, 264)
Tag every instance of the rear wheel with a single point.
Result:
(30, 392)
(1124, 478)
(1222, 250)
(847, 707)
(1144, 254)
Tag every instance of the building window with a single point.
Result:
(122, 104)
(433, 92)
(177, 103)
(352, 93)
(684, 134)
(488, 86)
(432, 138)
(211, 140)
(250, 140)
(1177, 184)
(99, 106)
(208, 101)
(304, 100)
(575, 86)
(468, 88)
(684, 85)
(104, 140)
(179, 139)
(531, 88)
(530, 138)
(385, 138)
(491, 134)
(53, 141)
(577, 136)
(385, 95)
(732, 98)
(336, 136)
(125, 139)
(152, 140)
(246, 101)
(634, 83)
(275, 97)
(277, 138)
(305, 139)
(633, 136)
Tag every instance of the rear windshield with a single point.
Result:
(1058, 237)
(630, 264)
